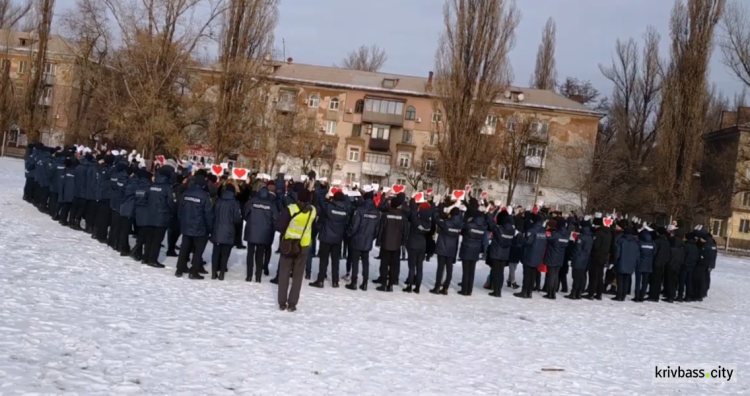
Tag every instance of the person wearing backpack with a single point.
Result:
(295, 224)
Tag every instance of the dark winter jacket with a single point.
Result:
(43, 169)
(104, 182)
(472, 236)
(394, 230)
(502, 239)
(58, 174)
(627, 254)
(260, 218)
(81, 172)
(535, 244)
(141, 192)
(692, 255)
(161, 206)
(677, 256)
(616, 235)
(127, 200)
(420, 223)
(68, 189)
(334, 218)
(227, 214)
(196, 213)
(600, 249)
(118, 178)
(448, 233)
(582, 254)
(29, 164)
(648, 252)
(556, 245)
(91, 181)
(708, 254)
(364, 227)
(663, 252)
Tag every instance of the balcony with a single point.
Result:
(48, 79)
(379, 144)
(534, 162)
(286, 106)
(376, 164)
(45, 101)
(382, 118)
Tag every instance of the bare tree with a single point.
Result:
(11, 13)
(511, 148)
(581, 91)
(545, 74)
(472, 71)
(417, 173)
(683, 108)
(35, 114)
(735, 41)
(365, 59)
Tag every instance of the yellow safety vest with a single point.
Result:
(299, 224)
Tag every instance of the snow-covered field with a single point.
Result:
(77, 319)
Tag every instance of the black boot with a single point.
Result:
(195, 276)
(444, 291)
(520, 295)
(202, 270)
(307, 276)
(363, 286)
(352, 286)
(257, 279)
(571, 296)
(416, 289)
(248, 278)
(435, 290)
(221, 275)
(178, 274)
(335, 284)
(214, 275)
(319, 284)
(171, 253)
(407, 289)
(275, 281)
(156, 265)
(378, 281)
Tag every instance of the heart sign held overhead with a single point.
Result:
(459, 195)
(468, 187)
(607, 222)
(430, 191)
(239, 173)
(419, 197)
(334, 190)
(398, 188)
(484, 194)
(217, 170)
(161, 160)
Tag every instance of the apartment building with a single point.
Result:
(17, 51)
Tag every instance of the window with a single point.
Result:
(535, 151)
(47, 93)
(384, 106)
(504, 174)
(745, 226)
(430, 165)
(13, 136)
(255, 165)
(401, 182)
(331, 128)
(411, 113)
(489, 125)
(356, 130)
(354, 154)
(287, 100)
(50, 68)
(531, 176)
(746, 199)
(381, 132)
(406, 138)
(382, 159)
(389, 83)
(545, 129)
(359, 106)
(324, 172)
(6, 64)
(511, 124)
(21, 67)
(437, 117)
(351, 177)
(313, 101)
(534, 126)
(334, 104)
(404, 160)
(433, 139)
(427, 185)
(716, 226)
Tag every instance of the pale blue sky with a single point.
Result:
(322, 32)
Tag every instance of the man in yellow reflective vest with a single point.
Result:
(295, 222)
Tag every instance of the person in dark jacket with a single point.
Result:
(692, 255)
(626, 261)
(446, 247)
(662, 254)
(472, 236)
(91, 188)
(103, 192)
(554, 255)
(645, 264)
(67, 191)
(705, 263)
(161, 208)
(362, 232)
(242, 195)
(173, 232)
(127, 212)
(599, 254)
(334, 219)
(260, 218)
(535, 242)
(117, 178)
(580, 260)
(227, 213)
(420, 223)
(57, 175)
(196, 215)
(42, 178)
(676, 260)
(79, 201)
(28, 166)
(499, 250)
(142, 218)
(392, 235)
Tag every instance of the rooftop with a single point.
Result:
(12, 40)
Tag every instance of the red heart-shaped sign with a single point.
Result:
(429, 191)
(607, 222)
(575, 236)
(161, 159)
(468, 187)
(458, 194)
(217, 169)
(419, 197)
(484, 194)
(398, 188)
(335, 190)
(240, 173)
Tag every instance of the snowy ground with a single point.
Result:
(77, 319)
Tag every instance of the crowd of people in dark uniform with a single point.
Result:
(111, 196)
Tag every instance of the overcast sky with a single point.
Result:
(322, 32)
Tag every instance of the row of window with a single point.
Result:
(49, 68)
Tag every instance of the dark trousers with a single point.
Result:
(124, 233)
(467, 278)
(655, 281)
(219, 257)
(43, 198)
(444, 263)
(78, 210)
(416, 261)
(529, 277)
(256, 257)
(497, 275)
(332, 250)
(685, 289)
(173, 234)
(596, 272)
(53, 204)
(28, 189)
(238, 234)
(114, 230)
(579, 281)
(389, 263)
(354, 257)
(552, 281)
(64, 212)
(708, 282)
(563, 279)
(103, 218)
(153, 245)
(623, 285)
(194, 244)
(672, 277)
(700, 275)
(142, 241)
(641, 283)
(90, 216)
(294, 266)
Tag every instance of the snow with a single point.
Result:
(77, 319)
